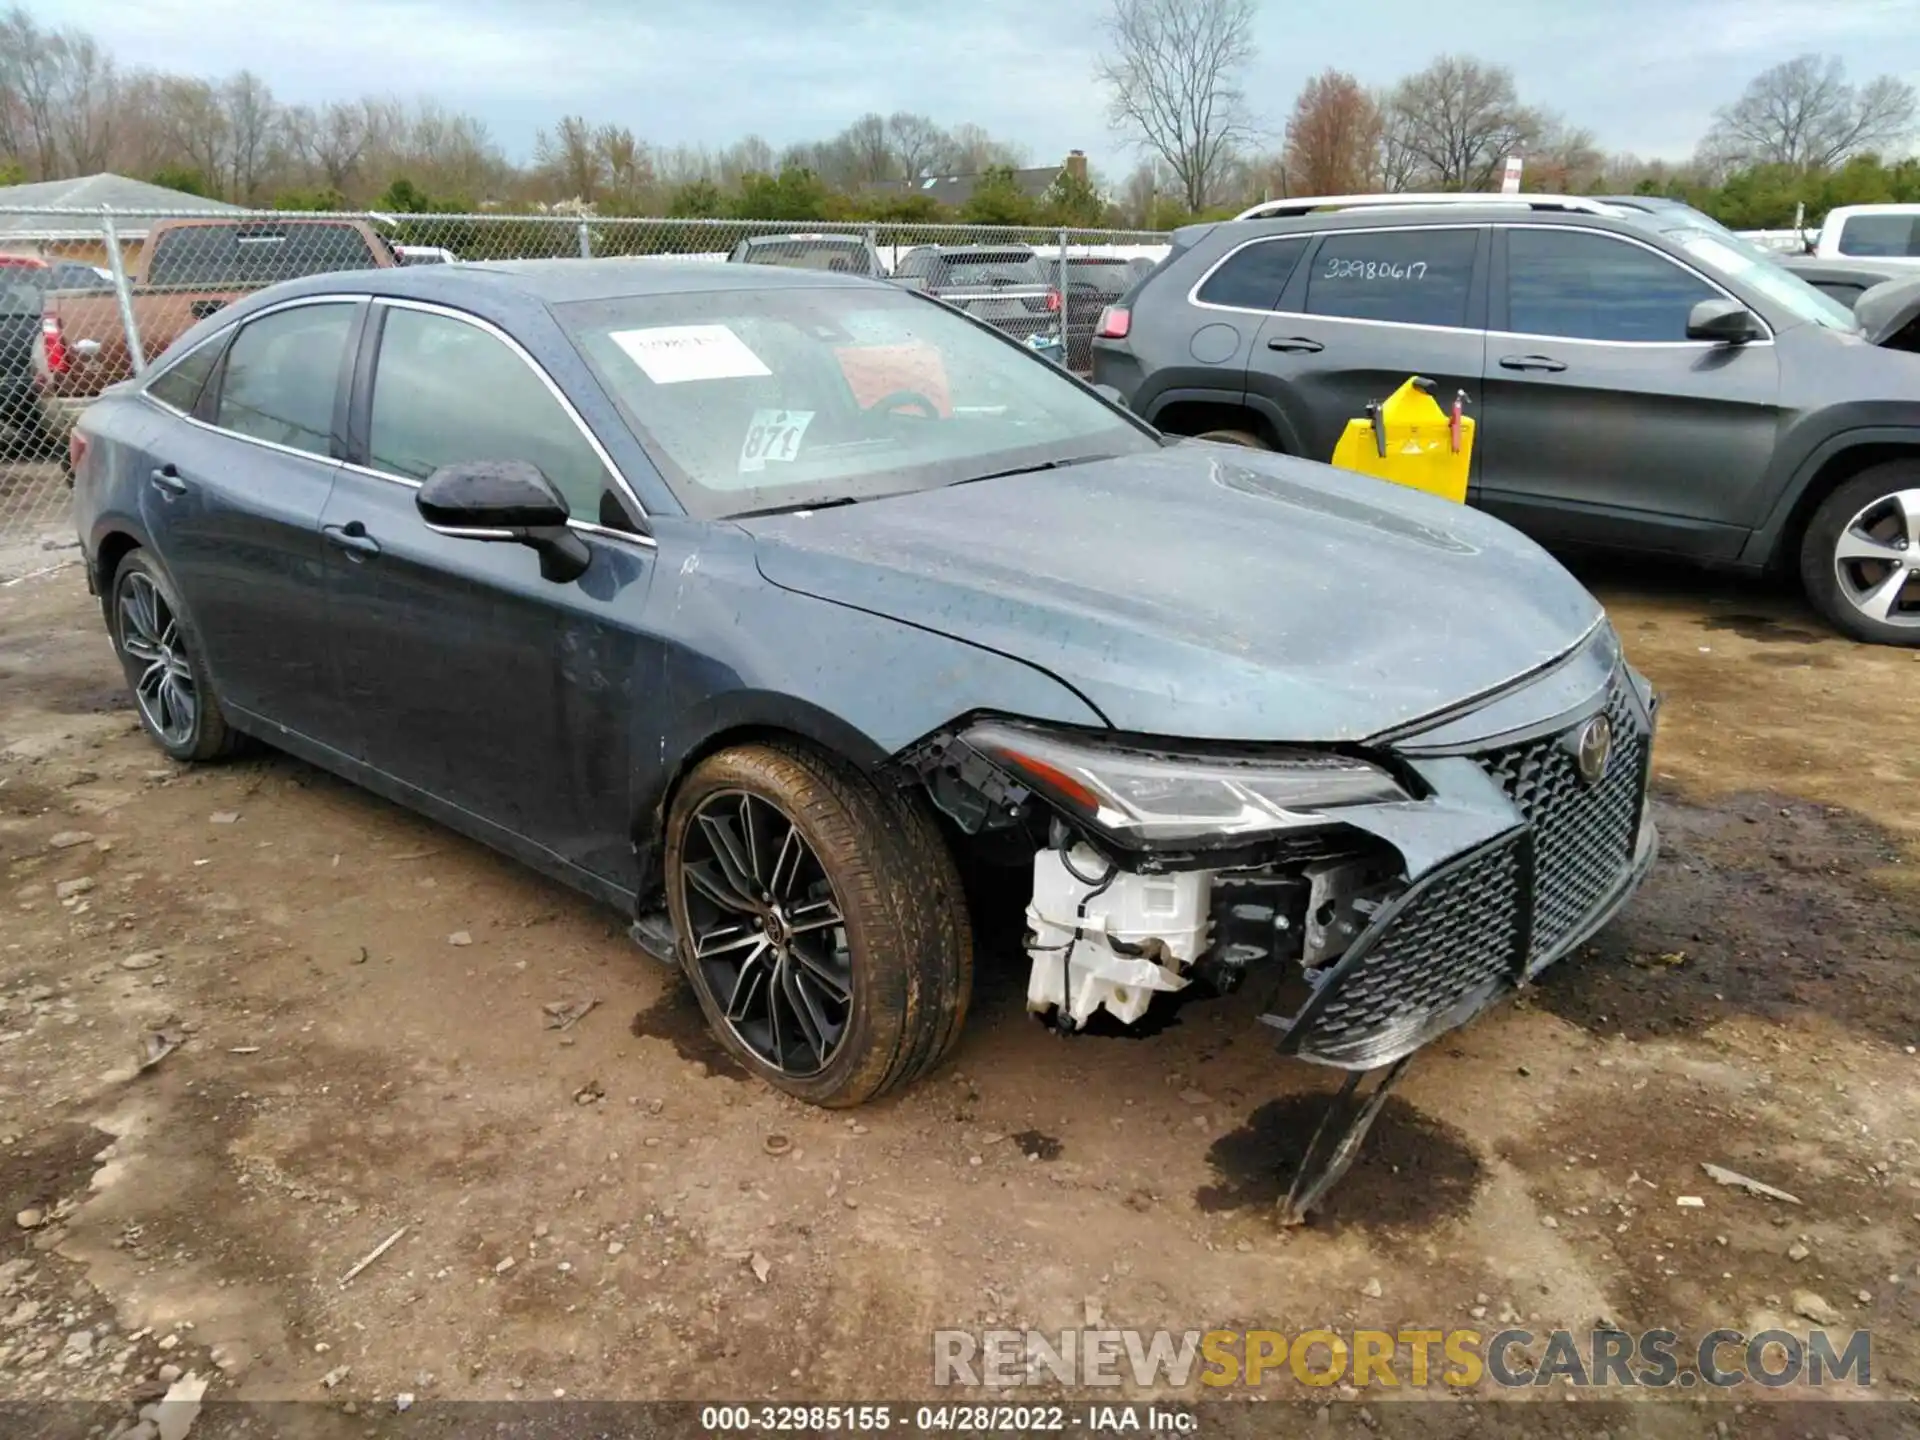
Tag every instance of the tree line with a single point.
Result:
(1799, 137)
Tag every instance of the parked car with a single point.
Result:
(425, 255)
(1093, 283)
(1005, 285)
(1637, 386)
(187, 270)
(1842, 280)
(750, 600)
(1889, 233)
(24, 283)
(846, 254)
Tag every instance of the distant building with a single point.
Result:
(953, 191)
(78, 237)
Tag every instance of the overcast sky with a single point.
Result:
(1644, 75)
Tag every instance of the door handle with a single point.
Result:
(166, 479)
(1532, 362)
(351, 537)
(1295, 344)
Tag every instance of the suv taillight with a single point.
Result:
(58, 362)
(1115, 322)
(1053, 302)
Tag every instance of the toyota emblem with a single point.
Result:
(1592, 748)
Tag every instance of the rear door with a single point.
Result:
(1603, 424)
(1366, 310)
(505, 696)
(233, 504)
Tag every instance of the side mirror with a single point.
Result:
(1111, 394)
(1726, 322)
(505, 500)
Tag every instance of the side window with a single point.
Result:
(180, 385)
(1407, 277)
(446, 391)
(1253, 276)
(282, 373)
(1587, 286)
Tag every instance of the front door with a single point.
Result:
(235, 516)
(510, 698)
(1368, 310)
(1603, 423)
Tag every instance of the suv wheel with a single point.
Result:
(1244, 438)
(1860, 559)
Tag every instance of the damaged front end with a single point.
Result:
(1390, 891)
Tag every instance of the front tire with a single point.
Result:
(161, 656)
(820, 920)
(1860, 557)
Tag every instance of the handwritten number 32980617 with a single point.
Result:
(1374, 270)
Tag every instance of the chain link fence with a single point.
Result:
(91, 297)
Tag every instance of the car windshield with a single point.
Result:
(810, 255)
(1774, 281)
(965, 271)
(787, 397)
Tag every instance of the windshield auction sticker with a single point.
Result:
(673, 354)
(773, 435)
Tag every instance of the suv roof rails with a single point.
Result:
(1306, 205)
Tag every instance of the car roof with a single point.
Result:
(1397, 217)
(963, 250)
(810, 236)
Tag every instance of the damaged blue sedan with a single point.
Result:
(758, 602)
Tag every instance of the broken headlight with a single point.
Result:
(1144, 798)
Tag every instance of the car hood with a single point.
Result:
(1204, 591)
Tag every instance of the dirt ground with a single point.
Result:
(598, 1212)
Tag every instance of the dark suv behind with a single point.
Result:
(1639, 384)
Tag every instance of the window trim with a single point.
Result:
(371, 381)
(1314, 251)
(1501, 231)
(215, 340)
(1307, 247)
(226, 333)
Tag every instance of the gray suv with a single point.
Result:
(1639, 384)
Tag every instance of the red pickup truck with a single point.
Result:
(187, 270)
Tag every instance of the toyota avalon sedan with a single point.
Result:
(755, 602)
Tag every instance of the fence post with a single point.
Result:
(122, 292)
(1065, 358)
(586, 241)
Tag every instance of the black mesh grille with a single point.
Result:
(1583, 836)
(1455, 940)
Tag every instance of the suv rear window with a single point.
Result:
(1014, 268)
(1112, 278)
(1253, 278)
(242, 256)
(1897, 236)
(848, 255)
(1406, 277)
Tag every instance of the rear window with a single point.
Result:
(1403, 277)
(1894, 236)
(243, 256)
(1106, 277)
(842, 255)
(1253, 277)
(1010, 269)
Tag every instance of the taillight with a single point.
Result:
(58, 362)
(76, 451)
(1115, 322)
(1053, 302)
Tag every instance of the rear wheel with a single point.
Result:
(1860, 557)
(1243, 438)
(160, 654)
(820, 920)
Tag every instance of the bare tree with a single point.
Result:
(58, 94)
(195, 124)
(1173, 69)
(1803, 113)
(567, 153)
(865, 153)
(1333, 137)
(1458, 121)
(970, 150)
(1395, 165)
(252, 118)
(1564, 159)
(624, 161)
(917, 142)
